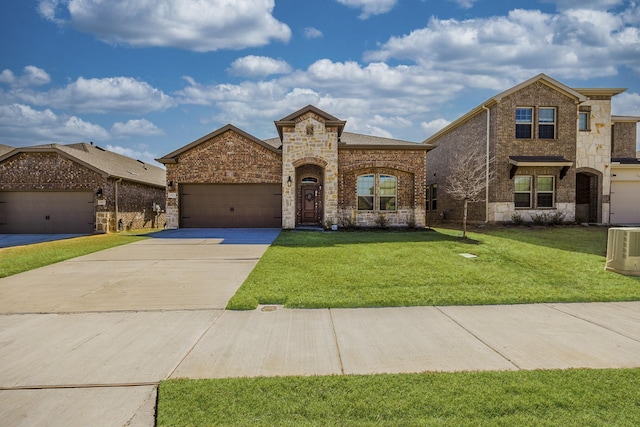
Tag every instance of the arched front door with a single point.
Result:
(310, 196)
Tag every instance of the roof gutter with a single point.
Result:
(486, 194)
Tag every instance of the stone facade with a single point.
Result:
(308, 139)
(51, 171)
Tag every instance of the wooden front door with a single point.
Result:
(310, 204)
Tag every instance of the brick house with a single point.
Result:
(77, 188)
(312, 174)
(550, 151)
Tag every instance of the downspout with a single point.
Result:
(486, 196)
(117, 225)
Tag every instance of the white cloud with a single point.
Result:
(370, 7)
(139, 152)
(112, 94)
(433, 126)
(259, 66)
(21, 125)
(31, 76)
(203, 26)
(141, 127)
(572, 44)
(312, 33)
(584, 4)
(465, 4)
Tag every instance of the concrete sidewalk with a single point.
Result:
(86, 341)
(281, 342)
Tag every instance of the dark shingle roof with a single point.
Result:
(107, 163)
(357, 140)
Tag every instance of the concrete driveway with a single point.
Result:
(85, 341)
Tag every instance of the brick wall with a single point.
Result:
(465, 140)
(408, 166)
(469, 137)
(624, 139)
(228, 158)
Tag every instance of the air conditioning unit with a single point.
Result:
(623, 250)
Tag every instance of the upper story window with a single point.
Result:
(524, 122)
(377, 192)
(547, 123)
(583, 121)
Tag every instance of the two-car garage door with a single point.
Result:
(47, 212)
(230, 205)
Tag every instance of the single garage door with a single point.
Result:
(625, 202)
(47, 212)
(230, 205)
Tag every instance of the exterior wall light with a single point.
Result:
(289, 181)
(99, 193)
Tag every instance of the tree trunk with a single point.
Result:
(464, 218)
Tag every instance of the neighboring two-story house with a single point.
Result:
(549, 151)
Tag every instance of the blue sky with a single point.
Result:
(144, 78)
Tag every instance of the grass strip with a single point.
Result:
(523, 398)
(14, 260)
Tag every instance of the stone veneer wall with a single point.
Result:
(409, 166)
(309, 141)
(48, 171)
(593, 151)
(228, 158)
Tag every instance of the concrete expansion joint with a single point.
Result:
(592, 323)
(335, 338)
(195, 343)
(486, 344)
(80, 386)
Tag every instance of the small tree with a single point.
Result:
(467, 181)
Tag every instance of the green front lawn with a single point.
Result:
(17, 259)
(522, 398)
(372, 269)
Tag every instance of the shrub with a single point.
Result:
(557, 218)
(348, 222)
(517, 219)
(540, 218)
(381, 221)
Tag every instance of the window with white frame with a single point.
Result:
(524, 122)
(366, 192)
(388, 185)
(522, 196)
(583, 121)
(545, 191)
(377, 192)
(546, 123)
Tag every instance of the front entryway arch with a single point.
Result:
(309, 195)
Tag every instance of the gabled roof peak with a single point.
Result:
(290, 119)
